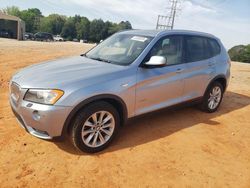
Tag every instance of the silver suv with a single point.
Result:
(133, 72)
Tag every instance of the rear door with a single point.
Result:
(200, 66)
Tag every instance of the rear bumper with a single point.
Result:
(42, 121)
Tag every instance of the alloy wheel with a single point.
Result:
(98, 129)
(214, 97)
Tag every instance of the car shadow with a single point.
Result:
(163, 123)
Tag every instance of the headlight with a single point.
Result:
(43, 96)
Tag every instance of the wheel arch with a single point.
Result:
(221, 79)
(114, 100)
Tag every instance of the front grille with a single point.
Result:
(15, 91)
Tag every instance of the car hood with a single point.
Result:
(62, 72)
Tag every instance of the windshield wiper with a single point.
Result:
(100, 59)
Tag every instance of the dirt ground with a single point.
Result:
(171, 148)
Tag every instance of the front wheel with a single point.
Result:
(94, 127)
(212, 98)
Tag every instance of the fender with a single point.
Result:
(93, 99)
(220, 76)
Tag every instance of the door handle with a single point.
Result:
(179, 70)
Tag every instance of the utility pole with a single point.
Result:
(167, 21)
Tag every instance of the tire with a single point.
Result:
(206, 104)
(89, 134)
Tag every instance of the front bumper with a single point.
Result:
(42, 121)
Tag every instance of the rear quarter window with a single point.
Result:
(214, 47)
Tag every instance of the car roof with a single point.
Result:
(154, 33)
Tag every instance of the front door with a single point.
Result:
(162, 86)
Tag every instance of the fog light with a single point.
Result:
(36, 116)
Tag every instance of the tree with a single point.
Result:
(240, 53)
(110, 28)
(53, 23)
(125, 25)
(82, 28)
(13, 10)
(69, 30)
(32, 18)
(69, 27)
(96, 30)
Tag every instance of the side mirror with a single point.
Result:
(156, 61)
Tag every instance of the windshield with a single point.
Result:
(120, 49)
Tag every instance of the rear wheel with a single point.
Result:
(95, 126)
(212, 98)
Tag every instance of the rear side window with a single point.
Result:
(196, 49)
(214, 47)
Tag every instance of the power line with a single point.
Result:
(167, 21)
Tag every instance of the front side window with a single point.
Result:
(120, 49)
(168, 47)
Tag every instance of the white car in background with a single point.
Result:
(58, 38)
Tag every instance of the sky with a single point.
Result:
(227, 19)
